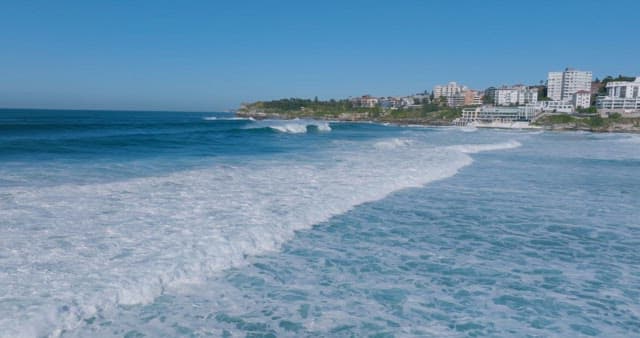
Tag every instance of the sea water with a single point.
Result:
(199, 224)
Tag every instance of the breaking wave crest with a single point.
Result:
(234, 118)
(290, 126)
(476, 148)
(392, 144)
(299, 127)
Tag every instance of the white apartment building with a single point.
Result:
(555, 106)
(490, 114)
(505, 96)
(582, 99)
(554, 86)
(448, 90)
(622, 97)
(562, 85)
(516, 95)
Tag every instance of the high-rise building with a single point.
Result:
(562, 85)
(554, 86)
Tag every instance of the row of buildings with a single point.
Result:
(391, 102)
(455, 95)
(567, 91)
(578, 89)
(569, 88)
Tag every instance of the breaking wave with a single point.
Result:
(292, 126)
(476, 148)
(234, 118)
(392, 144)
(83, 250)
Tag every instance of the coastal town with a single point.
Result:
(568, 99)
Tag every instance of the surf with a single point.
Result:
(91, 248)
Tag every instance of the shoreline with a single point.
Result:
(613, 128)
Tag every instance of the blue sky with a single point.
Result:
(212, 55)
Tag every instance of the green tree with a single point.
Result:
(488, 99)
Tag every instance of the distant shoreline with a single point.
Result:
(629, 125)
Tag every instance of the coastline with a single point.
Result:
(616, 126)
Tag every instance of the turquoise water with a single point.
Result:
(192, 224)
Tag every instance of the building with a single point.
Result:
(408, 101)
(562, 85)
(515, 95)
(582, 99)
(555, 106)
(386, 103)
(503, 96)
(465, 98)
(421, 98)
(554, 86)
(489, 114)
(365, 101)
(472, 98)
(448, 90)
(456, 100)
(622, 97)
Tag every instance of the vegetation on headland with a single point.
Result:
(426, 113)
(305, 107)
(614, 122)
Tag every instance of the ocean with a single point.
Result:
(160, 224)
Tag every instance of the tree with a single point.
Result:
(488, 99)
(430, 107)
(590, 110)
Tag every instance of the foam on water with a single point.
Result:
(392, 143)
(72, 251)
(476, 148)
(468, 129)
(234, 118)
(634, 139)
(297, 126)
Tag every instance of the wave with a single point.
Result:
(235, 118)
(468, 129)
(392, 143)
(84, 250)
(633, 139)
(292, 126)
(476, 148)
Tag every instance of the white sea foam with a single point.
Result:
(476, 148)
(293, 128)
(72, 252)
(468, 129)
(234, 118)
(323, 127)
(392, 143)
(634, 139)
(297, 126)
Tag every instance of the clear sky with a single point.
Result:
(212, 55)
